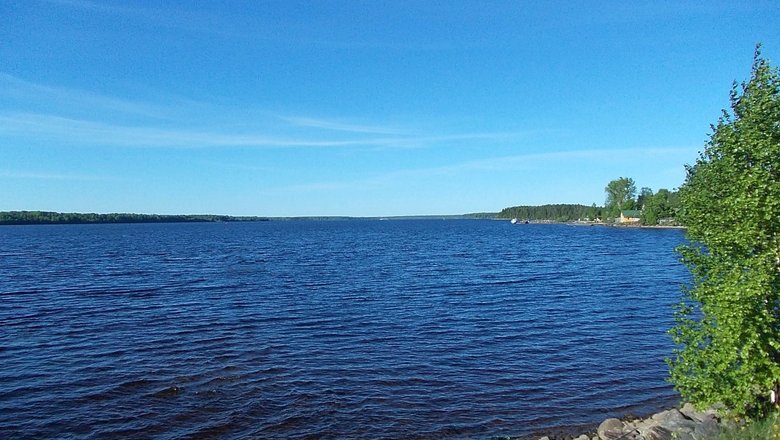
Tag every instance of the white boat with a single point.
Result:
(514, 220)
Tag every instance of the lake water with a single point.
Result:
(341, 329)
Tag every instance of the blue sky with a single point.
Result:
(363, 108)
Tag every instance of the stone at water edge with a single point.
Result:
(674, 421)
(688, 410)
(657, 433)
(610, 429)
(685, 423)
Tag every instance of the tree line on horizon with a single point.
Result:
(654, 208)
(553, 212)
(50, 217)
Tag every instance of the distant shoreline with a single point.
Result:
(59, 218)
(588, 223)
(18, 218)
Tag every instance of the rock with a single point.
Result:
(683, 435)
(644, 425)
(707, 429)
(630, 435)
(657, 433)
(687, 423)
(611, 429)
(674, 421)
(688, 410)
(660, 433)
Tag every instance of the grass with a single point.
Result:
(766, 429)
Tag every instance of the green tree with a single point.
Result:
(652, 209)
(728, 326)
(662, 203)
(644, 196)
(620, 195)
(672, 203)
(560, 212)
(593, 212)
(658, 206)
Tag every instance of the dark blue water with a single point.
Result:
(353, 329)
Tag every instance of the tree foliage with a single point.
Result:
(644, 196)
(728, 326)
(559, 212)
(48, 217)
(660, 206)
(620, 195)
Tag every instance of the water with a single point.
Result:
(352, 329)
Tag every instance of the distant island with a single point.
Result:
(59, 218)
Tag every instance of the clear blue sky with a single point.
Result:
(364, 108)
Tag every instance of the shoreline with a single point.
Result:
(587, 223)
(682, 422)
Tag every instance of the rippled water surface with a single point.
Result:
(347, 329)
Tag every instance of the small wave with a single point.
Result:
(135, 384)
(401, 330)
(168, 392)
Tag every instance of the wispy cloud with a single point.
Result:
(79, 117)
(319, 186)
(80, 131)
(35, 93)
(50, 176)
(169, 15)
(602, 154)
(548, 160)
(537, 160)
(342, 126)
(237, 166)
(99, 133)
(261, 29)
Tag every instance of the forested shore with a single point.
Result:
(54, 218)
(557, 212)
(61, 218)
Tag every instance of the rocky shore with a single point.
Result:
(684, 423)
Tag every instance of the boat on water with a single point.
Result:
(514, 220)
